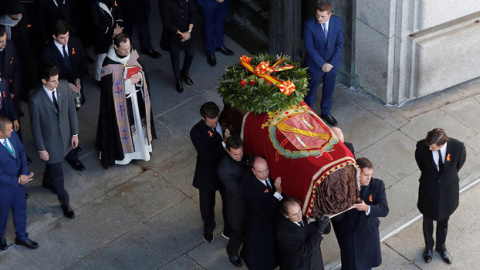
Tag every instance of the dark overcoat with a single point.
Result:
(209, 153)
(357, 234)
(231, 173)
(438, 194)
(259, 247)
(299, 246)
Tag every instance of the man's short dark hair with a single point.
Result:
(2, 30)
(364, 163)
(4, 121)
(286, 203)
(324, 6)
(120, 38)
(436, 136)
(210, 110)
(234, 142)
(49, 70)
(59, 27)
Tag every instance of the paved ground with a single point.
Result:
(146, 216)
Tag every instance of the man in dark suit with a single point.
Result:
(55, 131)
(49, 11)
(231, 171)
(14, 176)
(357, 229)
(323, 38)
(299, 240)
(263, 198)
(6, 107)
(66, 52)
(214, 14)
(208, 140)
(439, 159)
(10, 68)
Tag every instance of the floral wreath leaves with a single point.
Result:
(241, 88)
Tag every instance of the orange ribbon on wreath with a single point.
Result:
(263, 70)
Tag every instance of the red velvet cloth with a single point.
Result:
(299, 148)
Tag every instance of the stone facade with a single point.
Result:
(406, 49)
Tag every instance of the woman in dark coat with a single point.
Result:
(178, 18)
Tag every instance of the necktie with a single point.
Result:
(5, 142)
(441, 165)
(54, 100)
(325, 31)
(66, 59)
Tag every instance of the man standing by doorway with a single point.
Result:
(323, 38)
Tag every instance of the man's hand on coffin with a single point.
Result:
(361, 206)
(226, 134)
(278, 185)
(323, 224)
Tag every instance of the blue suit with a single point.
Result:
(214, 15)
(12, 194)
(318, 52)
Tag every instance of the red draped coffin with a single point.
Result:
(314, 165)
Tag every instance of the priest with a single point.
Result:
(125, 124)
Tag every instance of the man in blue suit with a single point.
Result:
(214, 14)
(323, 38)
(13, 178)
(357, 229)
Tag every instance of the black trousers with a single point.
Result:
(175, 60)
(441, 235)
(53, 177)
(207, 210)
(236, 240)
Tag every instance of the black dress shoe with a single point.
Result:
(427, 255)
(212, 61)
(445, 256)
(29, 161)
(235, 260)
(330, 119)
(29, 243)
(187, 78)
(208, 237)
(76, 165)
(27, 196)
(152, 53)
(224, 50)
(68, 211)
(3, 244)
(179, 86)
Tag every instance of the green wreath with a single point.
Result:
(243, 88)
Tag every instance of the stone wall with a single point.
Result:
(407, 49)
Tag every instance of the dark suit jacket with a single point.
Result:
(438, 194)
(12, 71)
(76, 53)
(48, 13)
(259, 246)
(177, 15)
(6, 106)
(299, 246)
(358, 234)
(318, 51)
(104, 25)
(11, 167)
(52, 130)
(209, 153)
(231, 173)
